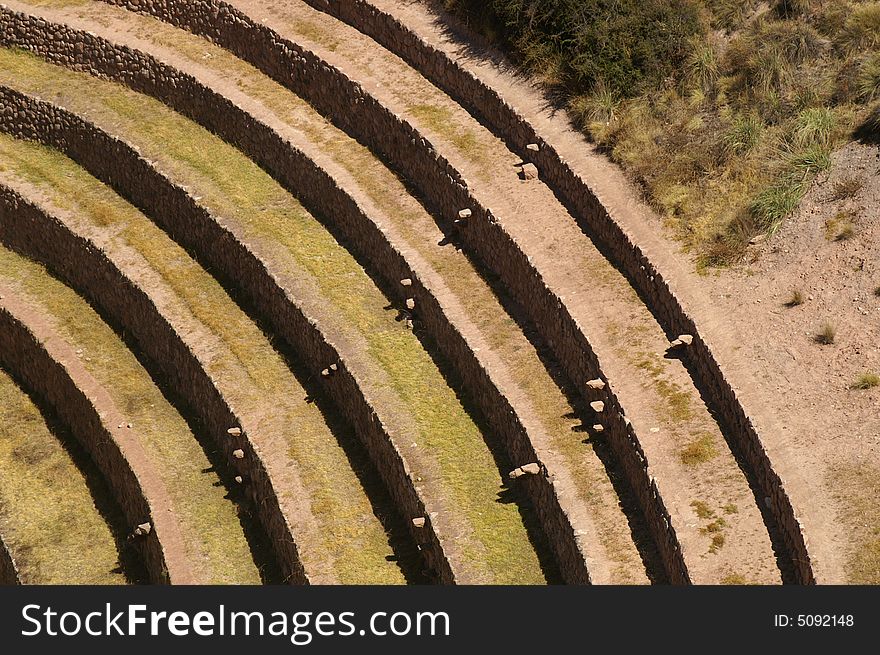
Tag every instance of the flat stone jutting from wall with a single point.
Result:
(486, 104)
(29, 230)
(176, 211)
(321, 195)
(30, 361)
(359, 114)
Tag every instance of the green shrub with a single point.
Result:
(630, 45)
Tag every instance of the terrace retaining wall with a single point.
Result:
(28, 359)
(355, 111)
(487, 105)
(334, 94)
(31, 231)
(118, 165)
(320, 193)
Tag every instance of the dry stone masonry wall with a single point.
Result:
(118, 165)
(29, 230)
(487, 104)
(320, 193)
(362, 116)
(25, 356)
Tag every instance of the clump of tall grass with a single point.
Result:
(826, 335)
(815, 126)
(868, 78)
(861, 31)
(796, 299)
(775, 203)
(599, 106)
(730, 15)
(847, 187)
(866, 380)
(791, 8)
(743, 135)
(703, 66)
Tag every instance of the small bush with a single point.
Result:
(866, 380)
(630, 45)
(797, 298)
(826, 335)
(877, 292)
(734, 579)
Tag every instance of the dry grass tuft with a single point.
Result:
(867, 380)
(826, 335)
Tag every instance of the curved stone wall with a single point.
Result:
(334, 95)
(507, 123)
(118, 165)
(29, 230)
(24, 355)
(320, 193)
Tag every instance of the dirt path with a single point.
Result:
(658, 393)
(164, 520)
